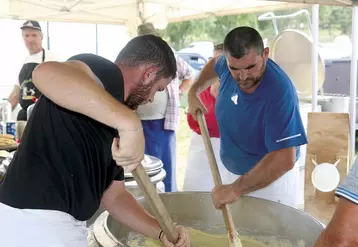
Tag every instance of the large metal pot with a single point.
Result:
(252, 216)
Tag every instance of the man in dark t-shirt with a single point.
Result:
(70, 159)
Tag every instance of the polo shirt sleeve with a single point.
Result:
(283, 124)
(349, 187)
(220, 65)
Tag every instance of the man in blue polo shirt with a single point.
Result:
(261, 130)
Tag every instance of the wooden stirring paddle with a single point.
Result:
(234, 240)
(155, 203)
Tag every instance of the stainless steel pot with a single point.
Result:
(252, 216)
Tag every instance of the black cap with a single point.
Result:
(31, 24)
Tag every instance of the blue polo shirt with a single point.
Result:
(252, 125)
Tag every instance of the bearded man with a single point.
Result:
(260, 126)
(70, 158)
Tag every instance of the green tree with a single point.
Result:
(224, 24)
(215, 28)
(341, 18)
(177, 33)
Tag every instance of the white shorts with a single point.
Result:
(198, 176)
(40, 228)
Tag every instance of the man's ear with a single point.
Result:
(266, 53)
(150, 75)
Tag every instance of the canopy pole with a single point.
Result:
(48, 35)
(353, 83)
(315, 43)
(96, 26)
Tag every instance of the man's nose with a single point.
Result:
(242, 75)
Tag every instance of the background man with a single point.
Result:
(257, 109)
(160, 118)
(25, 92)
(69, 159)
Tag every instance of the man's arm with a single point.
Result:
(72, 85)
(342, 230)
(271, 167)
(206, 78)
(14, 96)
(126, 210)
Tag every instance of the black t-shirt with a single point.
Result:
(64, 161)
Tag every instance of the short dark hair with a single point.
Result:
(149, 50)
(239, 41)
(219, 47)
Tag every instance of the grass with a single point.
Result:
(183, 141)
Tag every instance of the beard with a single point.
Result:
(139, 95)
(249, 82)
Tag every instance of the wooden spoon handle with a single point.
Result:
(233, 236)
(155, 203)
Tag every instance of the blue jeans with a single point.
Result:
(161, 143)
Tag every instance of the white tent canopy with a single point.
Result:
(133, 12)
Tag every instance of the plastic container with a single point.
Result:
(2, 127)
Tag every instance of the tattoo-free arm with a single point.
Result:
(126, 210)
(342, 230)
(206, 78)
(72, 85)
(271, 167)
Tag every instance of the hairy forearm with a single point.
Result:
(336, 239)
(271, 167)
(324, 241)
(75, 89)
(130, 213)
(206, 78)
(342, 230)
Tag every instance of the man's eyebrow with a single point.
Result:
(251, 66)
(233, 68)
(248, 67)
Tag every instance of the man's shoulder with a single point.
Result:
(90, 57)
(96, 63)
(277, 82)
(221, 66)
(107, 72)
